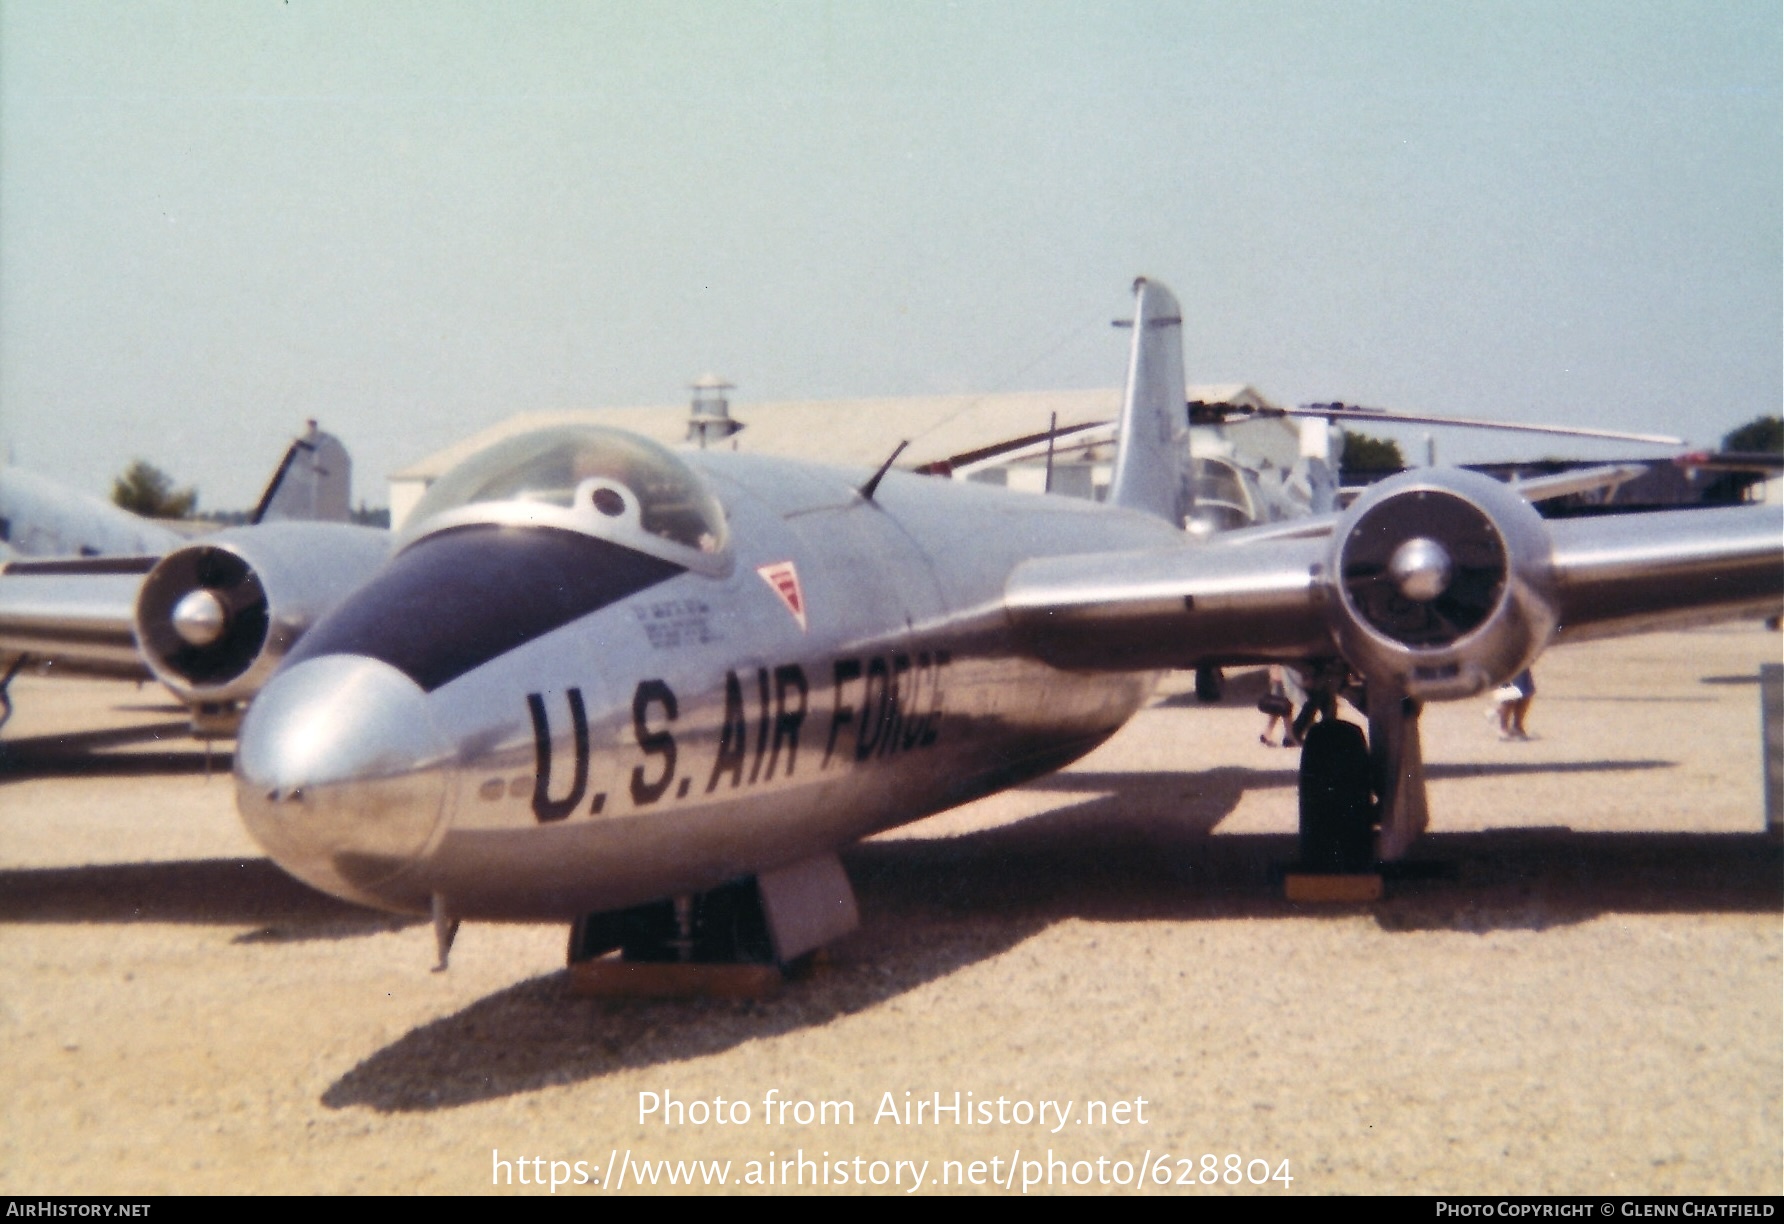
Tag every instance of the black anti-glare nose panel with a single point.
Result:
(453, 601)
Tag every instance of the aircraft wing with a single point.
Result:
(1632, 573)
(1175, 607)
(1436, 581)
(75, 616)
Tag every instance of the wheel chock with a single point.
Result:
(609, 977)
(1321, 889)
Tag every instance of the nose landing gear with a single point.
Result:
(739, 940)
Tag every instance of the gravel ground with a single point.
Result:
(1590, 1005)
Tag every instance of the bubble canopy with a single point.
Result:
(584, 478)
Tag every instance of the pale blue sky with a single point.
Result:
(410, 220)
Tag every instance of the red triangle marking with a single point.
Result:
(785, 580)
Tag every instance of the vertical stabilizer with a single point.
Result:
(1154, 423)
(313, 483)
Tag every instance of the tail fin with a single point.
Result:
(1149, 461)
(313, 482)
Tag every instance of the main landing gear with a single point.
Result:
(1210, 684)
(1337, 800)
(739, 940)
(1362, 801)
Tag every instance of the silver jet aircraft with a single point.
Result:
(92, 590)
(652, 693)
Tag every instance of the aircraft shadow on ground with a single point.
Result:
(90, 754)
(248, 892)
(931, 906)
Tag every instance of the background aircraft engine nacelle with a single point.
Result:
(1439, 584)
(214, 618)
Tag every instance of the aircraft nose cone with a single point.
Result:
(342, 777)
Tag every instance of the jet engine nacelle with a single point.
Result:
(1439, 584)
(215, 617)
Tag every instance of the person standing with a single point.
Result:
(1281, 709)
(1514, 705)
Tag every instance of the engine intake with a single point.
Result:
(1440, 585)
(215, 618)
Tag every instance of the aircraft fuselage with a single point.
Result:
(850, 669)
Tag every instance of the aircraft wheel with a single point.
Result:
(731, 927)
(727, 927)
(1337, 803)
(1210, 683)
(641, 933)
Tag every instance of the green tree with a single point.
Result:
(146, 490)
(1363, 453)
(1763, 434)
